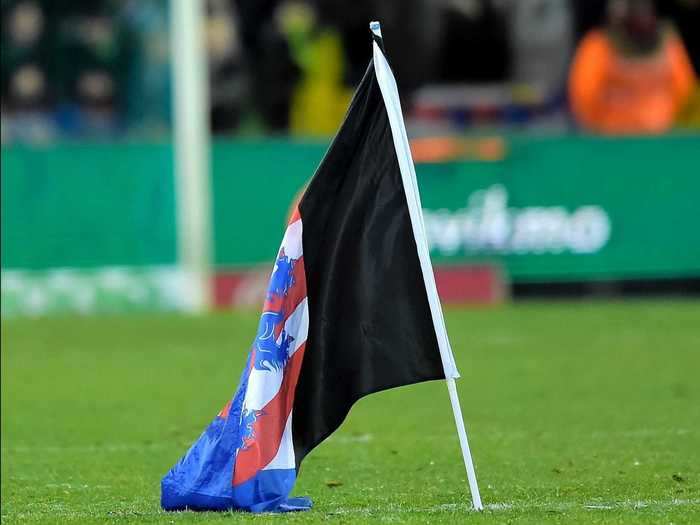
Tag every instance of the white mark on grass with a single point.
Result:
(361, 438)
(500, 340)
(515, 435)
(641, 433)
(518, 506)
(74, 487)
(499, 506)
(106, 447)
(616, 505)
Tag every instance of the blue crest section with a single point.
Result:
(248, 418)
(202, 479)
(268, 354)
(282, 277)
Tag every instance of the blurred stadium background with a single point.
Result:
(151, 151)
(527, 188)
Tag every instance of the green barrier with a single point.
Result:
(564, 208)
(572, 209)
(87, 206)
(254, 184)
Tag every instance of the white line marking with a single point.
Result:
(517, 506)
(342, 439)
(107, 447)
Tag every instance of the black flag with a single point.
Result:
(370, 326)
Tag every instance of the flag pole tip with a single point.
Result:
(376, 28)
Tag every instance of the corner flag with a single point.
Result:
(351, 309)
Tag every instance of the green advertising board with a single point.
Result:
(572, 209)
(87, 206)
(553, 209)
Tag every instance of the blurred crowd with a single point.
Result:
(79, 69)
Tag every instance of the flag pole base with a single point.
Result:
(464, 444)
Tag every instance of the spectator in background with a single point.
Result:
(269, 63)
(633, 76)
(686, 16)
(541, 33)
(475, 47)
(227, 78)
(320, 99)
(588, 14)
(65, 66)
(147, 100)
(27, 89)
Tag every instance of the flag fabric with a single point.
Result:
(346, 314)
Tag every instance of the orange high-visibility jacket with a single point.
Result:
(618, 94)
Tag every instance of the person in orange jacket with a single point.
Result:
(631, 77)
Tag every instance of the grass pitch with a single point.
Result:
(577, 412)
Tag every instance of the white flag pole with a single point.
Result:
(387, 85)
(464, 444)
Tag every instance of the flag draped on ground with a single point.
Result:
(346, 314)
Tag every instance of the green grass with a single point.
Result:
(577, 412)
